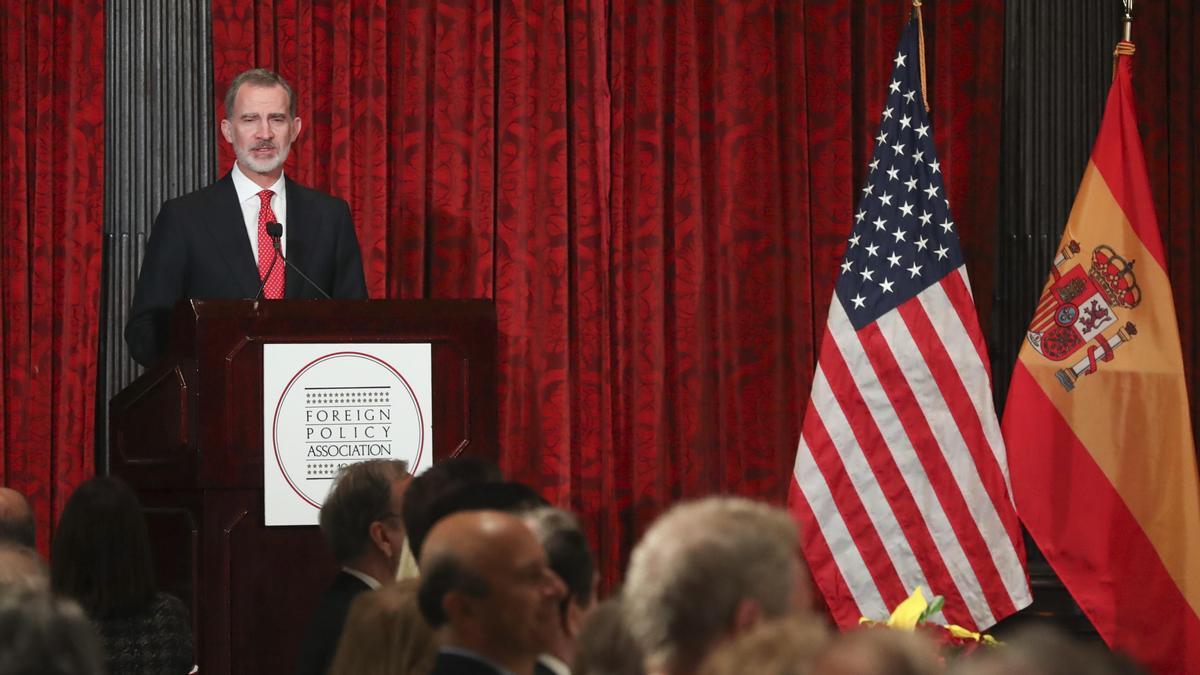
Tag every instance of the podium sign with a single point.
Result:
(329, 405)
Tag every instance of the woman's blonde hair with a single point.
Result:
(385, 634)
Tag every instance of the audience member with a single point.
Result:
(44, 635)
(16, 518)
(708, 570)
(361, 523)
(787, 646)
(385, 634)
(880, 651)
(101, 558)
(605, 646)
(570, 558)
(487, 585)
(441, 479)
(21, 568)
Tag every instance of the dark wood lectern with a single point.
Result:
(187, 435)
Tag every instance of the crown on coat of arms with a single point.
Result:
(1114, 275)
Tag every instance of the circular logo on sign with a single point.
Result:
(339, 409)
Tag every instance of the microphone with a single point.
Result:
(275, 232)
(274, 238)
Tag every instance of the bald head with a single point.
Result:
(485, 578)
(458, 551)
(16, 518)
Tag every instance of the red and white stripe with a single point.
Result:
(901, 465)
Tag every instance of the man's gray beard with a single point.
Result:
(262, 165)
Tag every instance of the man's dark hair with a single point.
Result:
(440, 576)
(44, 635)
(361, 495)
(101, 551)
(567, 549)
(507, 496)
(258, 77)
(442, 478)
(16, 519)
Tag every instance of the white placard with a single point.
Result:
(328, 405)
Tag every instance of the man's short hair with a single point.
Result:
(47, 635)
(432, 486)
(696, 564)
(16, 519)
(567, 549)
(444, 573)
(361, 495)
(258, 77)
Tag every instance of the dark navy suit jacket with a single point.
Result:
(325, 628)
(458, 664)
(199, 249)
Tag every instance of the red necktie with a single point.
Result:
(273, 286)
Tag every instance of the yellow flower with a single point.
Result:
(908, 613)
(962, 633)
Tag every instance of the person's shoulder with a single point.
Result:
(449, 663)
(195, 199)
(165, 604)
(168, 600)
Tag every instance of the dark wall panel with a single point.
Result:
(1058, 66)
(159, 144)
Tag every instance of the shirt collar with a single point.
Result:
(247, 188)
(555, 664)
(363, 577)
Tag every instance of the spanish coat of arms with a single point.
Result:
(1079, 307)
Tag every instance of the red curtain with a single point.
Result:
(1166, 69)
(51, 224)
(654, 194)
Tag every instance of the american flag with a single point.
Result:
(901, 477)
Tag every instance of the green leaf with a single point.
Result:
(935, 605)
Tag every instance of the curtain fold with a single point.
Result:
(51, 210)
(1166, 68)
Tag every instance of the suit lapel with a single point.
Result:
(299, 237)
(228, 230)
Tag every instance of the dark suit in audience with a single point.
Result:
(360, 521)
(325, 628)
(449, 663)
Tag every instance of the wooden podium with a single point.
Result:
(188, 436)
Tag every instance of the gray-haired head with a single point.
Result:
(567, 549)
(691, 572)
(44, 634)
(21, 568)
(258, 77)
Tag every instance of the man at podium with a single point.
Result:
(253, 234)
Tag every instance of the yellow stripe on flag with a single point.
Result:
(1127, 438)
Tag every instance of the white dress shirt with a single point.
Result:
(367, 579)
(248, 199)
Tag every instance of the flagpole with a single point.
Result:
(1125, 46)
(921, 51)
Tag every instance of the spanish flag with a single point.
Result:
(1099, 439)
